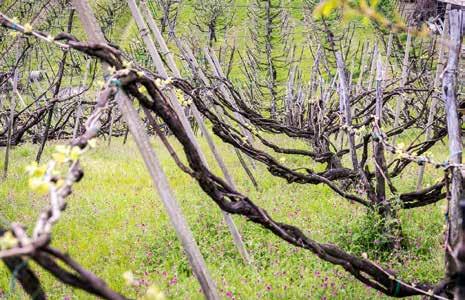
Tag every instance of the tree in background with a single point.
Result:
(270, 50)
(213, 16)
(169, 13)
(108, 14)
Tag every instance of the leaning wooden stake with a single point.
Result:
(403, 81)
(179, 110)
(160, 181)
(156, 172)
(374, 59)
(363, 66)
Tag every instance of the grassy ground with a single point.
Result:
(115, 222)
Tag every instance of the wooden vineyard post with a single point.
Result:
(179, 110)
(434, 101)
(363, 66)
(9, 136)
(374, 60)
(454, 237)
(388, 53)
(151, 161)
(403, 81)
(11, 120)
(378, 149)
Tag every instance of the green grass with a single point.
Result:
(115, 222)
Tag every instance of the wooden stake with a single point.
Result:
(449, 89)
(378, 148)
(160, 181)
(434, 102)
(403, 81)
(363, 66)
(12, 117)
